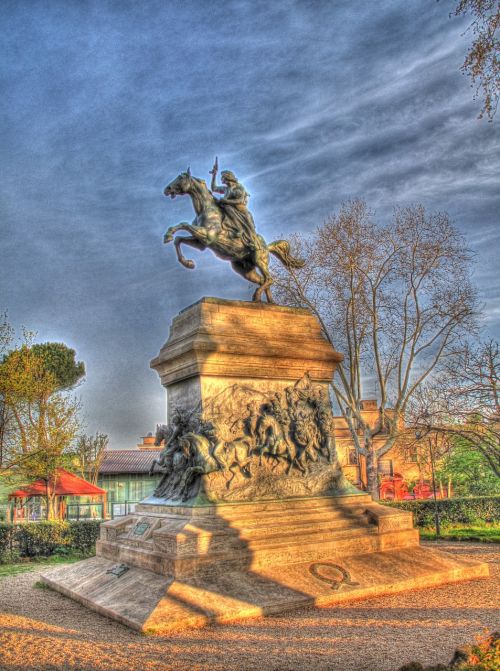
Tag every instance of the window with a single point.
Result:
(385, 467)
(352, 457)
(412, 454)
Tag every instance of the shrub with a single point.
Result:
(41, 539)
(83, 535)
(6, 532)
(483, 656)
(45, 538)
(452, 511)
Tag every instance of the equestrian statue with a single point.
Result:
(226, 226)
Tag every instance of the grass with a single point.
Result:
(482, 533)
(23, 566)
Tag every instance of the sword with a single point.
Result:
(215, 169)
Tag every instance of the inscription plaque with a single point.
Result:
(141, 528)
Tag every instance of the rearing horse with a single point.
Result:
(207, 231)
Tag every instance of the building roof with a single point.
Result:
(127, 461)
(65, 483)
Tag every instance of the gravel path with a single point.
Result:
(42, 630)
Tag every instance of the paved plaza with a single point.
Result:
(40, 629)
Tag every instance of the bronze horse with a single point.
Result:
(207, 231)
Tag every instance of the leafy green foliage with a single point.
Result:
(59, 360)
(41, 418)
(469, 471)
(481, 534)
(5, 539)
(41, 539)
(452, 511)
(82, 535)
(47, 538)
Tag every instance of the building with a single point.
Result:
(397, 469)
(124, 474)
(73, 498)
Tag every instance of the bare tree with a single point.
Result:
(395, 299)
(465, 402)
(481, 62)
(88, 455)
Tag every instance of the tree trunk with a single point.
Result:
(51, 508)
(50, 498)
(372, 473)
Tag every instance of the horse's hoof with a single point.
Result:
(167, 238)
(188, 264)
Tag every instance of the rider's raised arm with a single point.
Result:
(214, 188)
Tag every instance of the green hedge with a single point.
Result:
(44, 538)
(41, 539)
(5, 539)
(452, 511)
(83, 535)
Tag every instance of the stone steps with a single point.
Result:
(223, 537)
(304, 532)
(301, 519)
(242, 510)
(258, 555)
(285, 521)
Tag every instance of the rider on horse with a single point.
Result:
(237, 217)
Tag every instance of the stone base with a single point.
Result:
(169, 567)
(157, 604)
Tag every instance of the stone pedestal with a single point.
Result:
(253, 515)
(215, 344)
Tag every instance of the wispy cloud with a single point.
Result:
(309, 103)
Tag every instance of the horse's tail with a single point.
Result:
(281, 250)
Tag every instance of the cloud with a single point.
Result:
(310, 104)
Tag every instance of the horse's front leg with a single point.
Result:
(183, 226)
(191, 242)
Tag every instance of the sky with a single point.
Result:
(310, 103)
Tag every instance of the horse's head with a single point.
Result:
(180, 185)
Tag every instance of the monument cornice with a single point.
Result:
(222, 338)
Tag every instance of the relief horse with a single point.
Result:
(207, 231)
(204, 458)
(274, 444)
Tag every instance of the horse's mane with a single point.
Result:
(203, 185)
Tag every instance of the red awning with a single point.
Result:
(66, 484)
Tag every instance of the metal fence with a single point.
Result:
(119, 509)
(77, 511)
(95, 511)
(85, 511)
